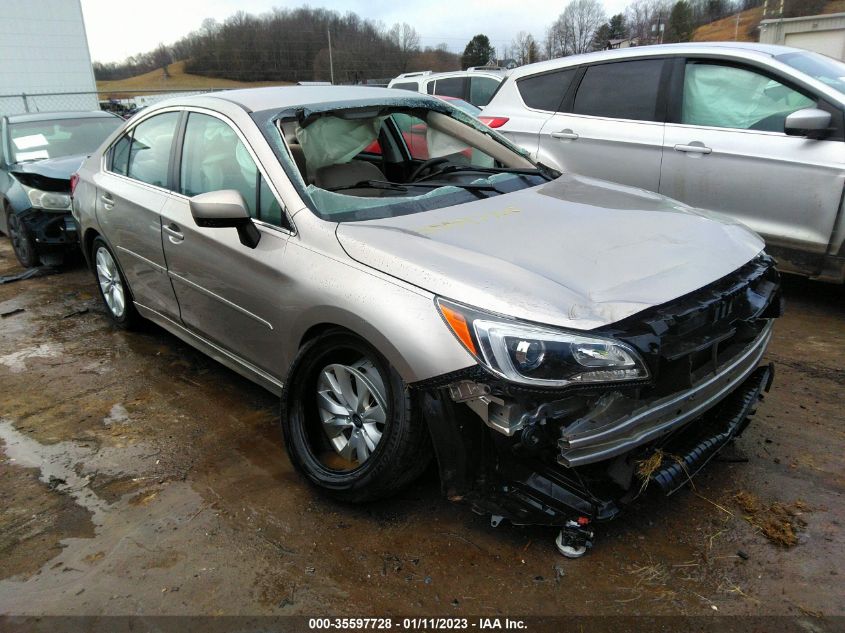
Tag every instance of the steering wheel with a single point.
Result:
(425, 166)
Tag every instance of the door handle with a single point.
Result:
(565, 134)
(108, 201)
(173, 232)
(694, 148)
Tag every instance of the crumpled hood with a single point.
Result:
(576, 252)
(61, 168)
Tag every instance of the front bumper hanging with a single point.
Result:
(551, 458)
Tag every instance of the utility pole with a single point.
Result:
(736, 28)
(331, 63)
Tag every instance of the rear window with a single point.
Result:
(408, 85)
(600, 92)
(481, 90)
(451, 87)
(546, 91)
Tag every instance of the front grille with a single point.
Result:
(690, 337)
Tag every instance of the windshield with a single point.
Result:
(825, 69)
(37, 140)
(382, 162)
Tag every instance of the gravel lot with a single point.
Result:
(138, 476)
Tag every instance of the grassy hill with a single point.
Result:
(178, 80)
(726, 28)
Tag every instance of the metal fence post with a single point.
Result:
(25, 102)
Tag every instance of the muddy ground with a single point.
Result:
(138, 476)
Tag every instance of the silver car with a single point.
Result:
(541, 335)
(752, 131)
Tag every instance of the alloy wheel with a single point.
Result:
(109, 278)
(352, 405)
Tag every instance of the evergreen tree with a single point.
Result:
(679, 28)
(477, 52)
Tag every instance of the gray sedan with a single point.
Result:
(539, 335)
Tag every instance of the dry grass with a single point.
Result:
(779, 522)
(725, 30)
(837, 6)
(178, 80)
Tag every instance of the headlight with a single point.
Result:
(49, 200)
(540, 356)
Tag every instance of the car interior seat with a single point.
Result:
(348, 174)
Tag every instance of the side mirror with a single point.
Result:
(809, 122)
(222, 209)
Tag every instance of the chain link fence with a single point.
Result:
(123, 102)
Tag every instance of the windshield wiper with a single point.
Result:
(393, 186)
(451, 169)
(372, 184)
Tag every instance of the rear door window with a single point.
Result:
(451, 87)
(149, 152)
(621, 90)
(546, 91)
(481, 90)
(120, 155)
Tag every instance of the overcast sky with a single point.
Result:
(118, 29)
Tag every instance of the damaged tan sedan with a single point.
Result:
(414, 287)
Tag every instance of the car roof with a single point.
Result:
(497, 73)
(280, 97)
(54, 116)
(745, 48)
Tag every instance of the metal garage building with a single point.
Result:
(821, 33)
(44, 49)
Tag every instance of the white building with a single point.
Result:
(823, 34)
(44, 49)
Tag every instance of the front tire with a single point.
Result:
(349, 422)
(23, 243)
(114, 291)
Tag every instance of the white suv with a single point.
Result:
(475, 85)
(755, 132)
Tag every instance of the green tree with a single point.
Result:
(618, 31)
(533, 51)
(602, 39)
(477, 52)
(679, 28)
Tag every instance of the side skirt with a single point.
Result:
(222, 356)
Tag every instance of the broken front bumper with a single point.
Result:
(616, 428)
(550, 457)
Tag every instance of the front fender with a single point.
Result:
(401, 322)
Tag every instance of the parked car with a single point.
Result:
(539, 334)
(748, 130)
(475, 85)
(38, 154)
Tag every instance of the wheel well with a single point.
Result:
(321, 328)
(87, 241)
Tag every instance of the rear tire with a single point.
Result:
(338, 391)
(114, 291)
(23, 243)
